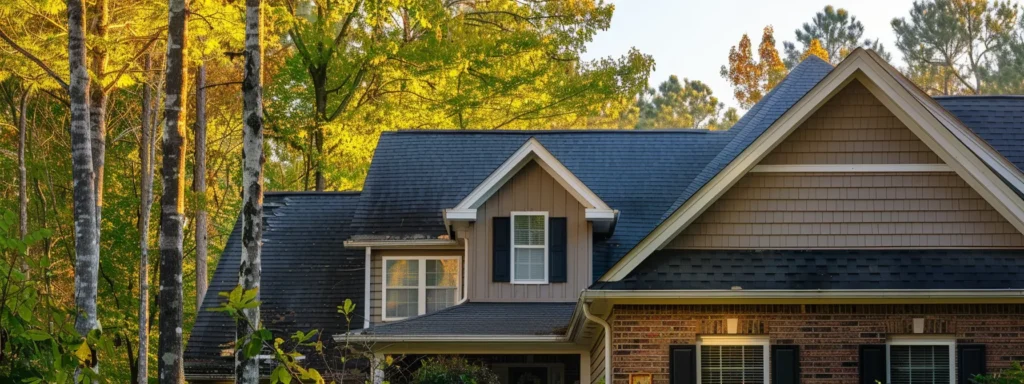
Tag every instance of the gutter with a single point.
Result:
(607, 341)
(806, 294)
(450, 338)
(393, 244)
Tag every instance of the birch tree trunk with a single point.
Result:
(22, 175)
(98, 110)
(87, 252)
(247, 370)
(199, 185)
(169, 360)
(145, 205)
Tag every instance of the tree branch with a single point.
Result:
(34, 59)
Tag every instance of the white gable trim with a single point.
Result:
(968, 158)
(596, 209)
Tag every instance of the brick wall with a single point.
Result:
(828, 335)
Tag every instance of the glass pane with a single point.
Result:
(732, 364)
(440, 298)
(912, 364)
(442, 273)
(529, 264)
(529, 230)
(402, 303)
(403, 273)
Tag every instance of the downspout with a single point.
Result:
(607, 342)
(465, 272)
(366, 289)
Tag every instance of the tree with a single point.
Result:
(952, 46)
(247, 369)
(169, 359)
(815, 49)
(838, 33)
(199, 185)
(87, 252)
(686, 104)
(752, 80)
(147, 148)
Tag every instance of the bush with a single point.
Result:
(448, 370)
(1013, 375)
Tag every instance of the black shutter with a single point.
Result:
(785, 364)
(683, 364)
(502, 251)
(872, 363)
(971, 361)
(557, 262)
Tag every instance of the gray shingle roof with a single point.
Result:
(485, 319)
(997, 119)
(307, 274)
(826, 269)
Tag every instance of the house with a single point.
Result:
(848, 229)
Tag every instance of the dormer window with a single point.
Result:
(529, 247)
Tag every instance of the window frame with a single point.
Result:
(762, 341)
(547, 245)
(421, 279)
(909, 340)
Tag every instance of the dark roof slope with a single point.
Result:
(999, 120)
(307, 274)
(485, 319)
(417, 174)
(826, 269)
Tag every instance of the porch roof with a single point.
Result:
(484, 319)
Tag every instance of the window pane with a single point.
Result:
(402, 302)
(442, 273)
(440, 298)
(732, 364)
(529, 263)
(529, 230)
(912, 364)
(403, 273)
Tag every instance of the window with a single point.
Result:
(529, 247)
(921, 360)
(419, 285)
(733, 360)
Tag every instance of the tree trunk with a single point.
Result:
(247, 369)
(22, 175)
(87, 252)
(171, 202)
(145, 206)
(319, 75)
(199, 185)
(98, 111)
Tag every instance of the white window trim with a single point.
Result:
(737, 340)
(421, 290)
(546, 246)
(949, 341)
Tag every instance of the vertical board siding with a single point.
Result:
(847, 210)
(597, 359)
(852, 128)
(376, 276)
(532, 189)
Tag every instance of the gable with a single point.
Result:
(873, 208)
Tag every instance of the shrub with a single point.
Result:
(453, 370)
(1013, 375)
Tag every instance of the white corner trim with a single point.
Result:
(843, 168)
(968, 161)
(531, 150)
(367, 275)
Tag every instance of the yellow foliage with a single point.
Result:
(815, 49)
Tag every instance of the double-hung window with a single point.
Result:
(419, 285)
(914, 360)
(529, 247)
(733, 360)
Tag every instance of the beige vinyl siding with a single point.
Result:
(531, 189)
(849, 210)
(852, 128)
(376, 274)
(597, 360)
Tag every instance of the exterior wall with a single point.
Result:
(852, 128)
(532, 189)
(377, 270)
(597, 359)
(828, 335)
(775, 211)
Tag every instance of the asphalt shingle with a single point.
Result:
(485, 319)
(999, 120)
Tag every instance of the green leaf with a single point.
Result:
(36, 335)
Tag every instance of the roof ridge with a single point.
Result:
(310, 193)
(548, 131)
(1021, 97)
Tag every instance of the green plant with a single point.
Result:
(1012, 375)
(453, 370)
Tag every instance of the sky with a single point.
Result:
(691, 38)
